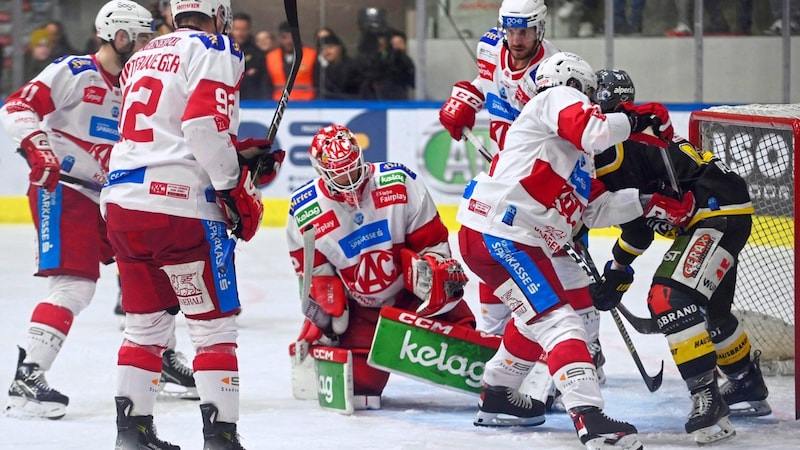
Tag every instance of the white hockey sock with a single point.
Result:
(495, 317)
(44, 343)
(139, 385)
(221, 388)
(591, 322)
(505, 369)
(578, 384)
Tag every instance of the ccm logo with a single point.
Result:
(427, 324)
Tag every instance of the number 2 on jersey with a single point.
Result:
(144, 104)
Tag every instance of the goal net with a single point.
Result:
(760, 142)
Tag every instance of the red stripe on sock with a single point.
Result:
(520, 346)
(138, 357)
(53, 316)
(215, 360)
(567, 352)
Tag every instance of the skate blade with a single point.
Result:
(23, 408)
(486, 419)
(751, 409)
(718, 432)
(626, 442)
(172, 391)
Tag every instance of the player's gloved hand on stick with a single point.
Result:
(252, 152)
(460, 109)
(646, 115)
(437, 281)
(242, 206)
(675, 209)
(44, 163)
(608, 293)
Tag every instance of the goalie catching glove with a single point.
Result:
(44, 163)
(608, 292)
(437, 281)
(252, 152)
(460, 109)
(242, 206)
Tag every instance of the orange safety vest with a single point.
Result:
(303, 88)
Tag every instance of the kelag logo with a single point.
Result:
(449, 164)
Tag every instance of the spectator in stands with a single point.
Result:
(717, 24)
(388, 73)
(279, 61)
(253, 86)
(776, 7)
(39, 54)
(582, 11)
(624, 24)
(59, 44)
(340, 78)
(265, 41)
(162, 12)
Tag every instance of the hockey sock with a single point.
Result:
(48, 328)
(574, 374)
(216, 373)
(138, 372)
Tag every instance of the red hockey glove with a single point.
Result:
(646, 115)
(242, 206)
(662, 207)
(327, 307)
(252, 152)
(44, 163)
(437, 281)
(460, 109)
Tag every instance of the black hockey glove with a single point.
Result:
(608, 293)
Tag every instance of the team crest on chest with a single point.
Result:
(358, 217)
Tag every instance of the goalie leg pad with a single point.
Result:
(334, 368)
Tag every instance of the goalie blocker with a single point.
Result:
(428, 350)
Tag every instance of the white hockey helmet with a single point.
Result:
(210, 8)
(566, 69)
(523, 14)
(123, 15)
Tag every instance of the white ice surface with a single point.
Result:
(414, 415)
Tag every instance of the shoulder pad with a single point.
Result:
(77, 65)
(492, 36)
(392, 166)
(303, 195)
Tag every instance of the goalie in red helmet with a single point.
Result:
(379, 241)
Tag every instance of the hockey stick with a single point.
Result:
(487, 155)
(297, 51)
(91, 185)
(301, 347)
(652, 383)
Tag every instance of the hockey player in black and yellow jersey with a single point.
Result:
(693, 287)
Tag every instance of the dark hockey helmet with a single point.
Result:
(613, 88)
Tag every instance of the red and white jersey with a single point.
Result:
(180, 108)
(77, 104)
(538, 188)
(362, 245)
(506, 90)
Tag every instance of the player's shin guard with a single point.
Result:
(49, 327)
(138, 372)
(216, 373)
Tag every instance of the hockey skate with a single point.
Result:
(30, 396)
(177, 379)
(708, 420)
(136, 432)
(501, 406)
(747, 396)
(598, 432)
(218, 435)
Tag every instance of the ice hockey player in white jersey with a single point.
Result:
(379, 241)
(175, 188)
(514, 218)
(65, 122)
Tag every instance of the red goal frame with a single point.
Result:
(765, 121)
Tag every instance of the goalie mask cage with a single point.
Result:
(760, 143)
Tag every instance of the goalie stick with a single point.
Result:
(297, 52)
(301, 347)
(582, 257)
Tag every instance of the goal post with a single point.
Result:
(760, 143)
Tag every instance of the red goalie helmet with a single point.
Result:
(337, 157)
